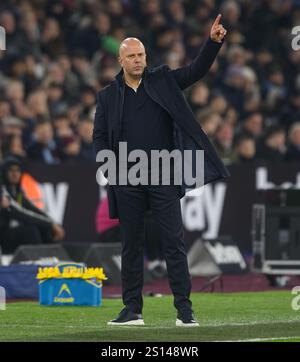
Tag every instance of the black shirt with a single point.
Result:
(145, 124)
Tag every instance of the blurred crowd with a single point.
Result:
(59, 53)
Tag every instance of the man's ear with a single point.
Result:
(120, 60)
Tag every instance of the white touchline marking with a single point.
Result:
(216, 324)
(265, 339)
(98, 326)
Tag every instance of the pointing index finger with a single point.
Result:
(216, 22)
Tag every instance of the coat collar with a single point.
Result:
(120, 80)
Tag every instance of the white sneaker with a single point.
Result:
(186, 321)
(127, 318)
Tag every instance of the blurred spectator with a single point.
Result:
(13, 146)
(107, 75)
(12, 126)
(43, 147)
(62, 126)
(85, 132)
(89, 37)
(253, 125)
(37, 103)
(245, 149)
(237, 55)
(209, 120)
(5, 108)
(275, 89)
(55, 98)
(234, 87)
(15, 91)
(199, 96)
(273, 146)
(83, 69)
(60, 53)
(290, 111)
(54, 74)
(219, 104)
(71, 83)
(52, 40)
(231, 12)
(14, 36)
(87, 99)
(231, 116)
(71, 149)
(223, 142)
(21, 221)
(293, 151)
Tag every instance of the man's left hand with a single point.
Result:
(217, 32)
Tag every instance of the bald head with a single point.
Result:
(130, 43)
(132, 57)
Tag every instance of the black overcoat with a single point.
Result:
(165, 87)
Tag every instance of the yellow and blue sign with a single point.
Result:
(70, 284)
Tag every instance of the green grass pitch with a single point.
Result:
(259, 316)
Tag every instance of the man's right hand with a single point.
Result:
(217, 32)
(58, 232)
(5, 203)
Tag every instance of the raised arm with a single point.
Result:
(189, 74)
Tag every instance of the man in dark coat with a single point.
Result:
(147, 109)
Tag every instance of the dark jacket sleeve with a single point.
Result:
(27, 204)
(29, 215)
(189, 74)
(100, 132)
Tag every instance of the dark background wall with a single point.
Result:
(231, 198)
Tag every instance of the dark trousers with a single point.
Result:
(24, 234)
(153, 248)
(153, 245)
(164, 202)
